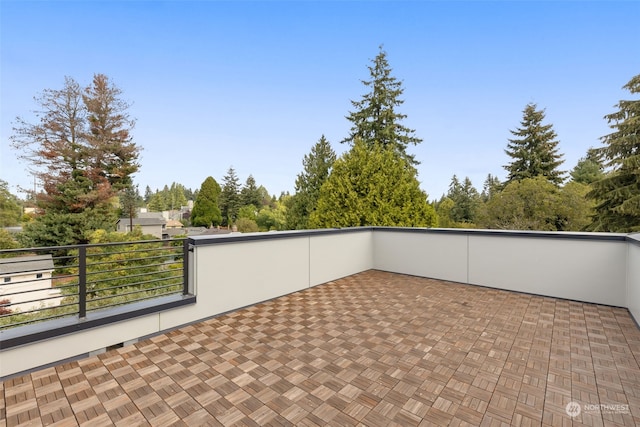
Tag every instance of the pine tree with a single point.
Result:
(229, 200)
(617, 194)
(375, 119)
(372, 186)
(206, 212)
(317, 165)
(535, 150)
(491, 187)
(465, 198)
(589, 168)
(250, 194)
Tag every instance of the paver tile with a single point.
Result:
(374, 348)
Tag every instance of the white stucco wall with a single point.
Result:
(578, 269)
(427, 253)
(633, 277)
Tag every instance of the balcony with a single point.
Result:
(375, 326)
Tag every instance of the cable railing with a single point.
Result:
(39, 284)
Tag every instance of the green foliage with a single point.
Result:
(206, 212)
(7, 241)
(526, 204)
(443, 208)
(169, 198)
(269, 218)
(535, 150)
(589, 169)
(317, 166)
(248, 212)
(246, 225)
(537, 204)
(375, 119)
(229, 200)
(372, 185)
(617, 194)
(66, 228)
(575, 208)
(10, 207)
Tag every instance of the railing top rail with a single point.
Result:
(88, 245)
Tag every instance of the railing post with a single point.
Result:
(82, 282)
(185, 267)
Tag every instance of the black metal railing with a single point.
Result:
(38, 284)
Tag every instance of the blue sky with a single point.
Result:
(254, 85)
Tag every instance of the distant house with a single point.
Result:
(172, 223)
(150, 222)
(28, 278)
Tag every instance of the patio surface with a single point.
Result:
(373, 349)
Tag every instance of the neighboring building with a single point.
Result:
(150, 223)
(172, 223)
(28, 278)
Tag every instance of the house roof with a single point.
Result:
(26, 264)
(144, 221)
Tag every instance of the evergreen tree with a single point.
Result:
(372, 186)
(617, 194)
(443, 209)
(229, 200)
(157, 202)
(465, 200)
(81, 151)
(250, 194)
(206, 212)
(129, 201)
(535, 150)
(147, 194)
(589, 169)
(317, 165)
(177, 197)
(491, 186)
(375, 119)
(113, 155)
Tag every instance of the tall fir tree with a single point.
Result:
(491, 187)
(317, 166)
(534, 150)
(250, 194)
(81, 151)
(229, 200)
(617, 194)
(375, 119)
(465, 198)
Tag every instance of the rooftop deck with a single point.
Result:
(372, 349)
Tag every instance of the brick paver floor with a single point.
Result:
(373, 349)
